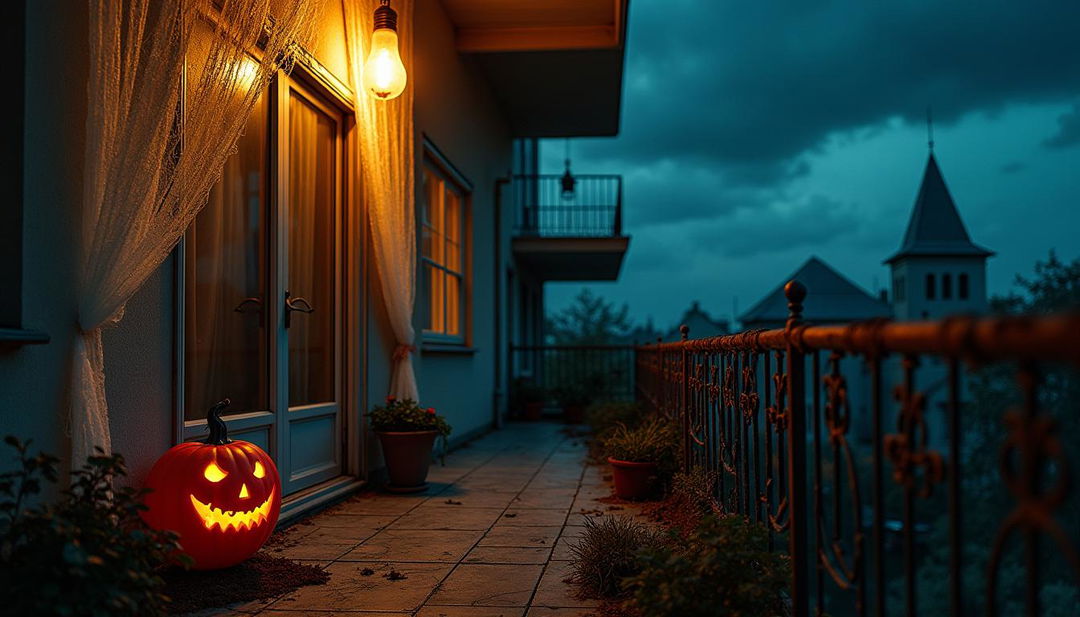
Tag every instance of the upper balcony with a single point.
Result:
(569, 229)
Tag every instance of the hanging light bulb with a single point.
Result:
(568, 179)
(384, 74)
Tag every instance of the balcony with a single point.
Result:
(569, 235)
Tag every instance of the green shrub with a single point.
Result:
(89, 553)
(606, 553)
(694, 491)
(525, 391)
(405, 415)
(655, 441)
(723, 569)
(602, 418)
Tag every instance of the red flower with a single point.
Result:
(431, 410)
(390, 399)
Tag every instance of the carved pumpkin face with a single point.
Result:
(222, 499)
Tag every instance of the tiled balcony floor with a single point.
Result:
(502, 551)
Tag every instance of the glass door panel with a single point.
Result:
(312, 264)
(226, 352)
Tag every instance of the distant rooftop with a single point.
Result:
(831, 298)
(935, 228)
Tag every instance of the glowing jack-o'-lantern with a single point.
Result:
(221, 496)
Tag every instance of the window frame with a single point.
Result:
(931, 286)
(434, 163)
(963, 288)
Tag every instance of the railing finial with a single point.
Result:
(684, 330)
(795, 292)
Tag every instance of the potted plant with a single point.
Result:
(407, 431)
(530, 398)
(637, 455)
(573, 399)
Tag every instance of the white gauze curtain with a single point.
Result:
(145, 179)
(384, 155)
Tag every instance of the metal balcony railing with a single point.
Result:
(956, 500)
(600, 372)
(547, 206)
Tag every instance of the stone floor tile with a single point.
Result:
(501, 485)
(349, 590)
(554, 592)
(470, 611)
(470, 498)
(562, 549)
(572, 531)
(344, 534)
(437, 517)
(543, 611)
(521, 536)
(508, 554)
(532, 517)
(310, 551)
(338, 519)
(371, 503)
(488, 585)
(545, 498)
(396, 545)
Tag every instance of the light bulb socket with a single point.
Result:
(385, 17)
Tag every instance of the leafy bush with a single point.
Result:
(694, 491)
(525, 391)
(723, 569)
(406, 415)
(607, 553)
(572, 395)
(87, 554)
(602, 418)
(655, 441)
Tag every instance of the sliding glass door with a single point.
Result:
(263, 289)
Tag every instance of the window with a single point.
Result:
(930, 284)
(444, 253)
(898, 289)
(962, 283)
(946, 286)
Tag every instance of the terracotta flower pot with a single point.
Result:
(573, 414)
(407, 455)
(533, 410)
(633, 480)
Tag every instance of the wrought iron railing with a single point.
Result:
(599, 372)
(550, 206)
(897, 522)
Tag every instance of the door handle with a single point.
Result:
(253, 301)
(293, 305)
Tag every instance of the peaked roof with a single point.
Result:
(830, 298)
(935, 227)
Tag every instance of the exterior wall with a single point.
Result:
(454, 109)
(913, 271)
(34, 391)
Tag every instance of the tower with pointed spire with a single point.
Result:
(938, 270)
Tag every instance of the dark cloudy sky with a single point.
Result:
(756, 134)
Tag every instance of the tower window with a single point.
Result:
(962, 283)
(946, 286)
(898, 289)
(930, 285)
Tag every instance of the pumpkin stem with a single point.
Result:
(219, 432)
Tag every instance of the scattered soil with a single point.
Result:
(258, 578)
(510, 515)
(674, 513)
(367, 572)
(394, 575)
(452, 502)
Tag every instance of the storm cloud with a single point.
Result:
(731, 111)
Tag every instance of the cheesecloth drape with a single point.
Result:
(158, 132)
(384, 157)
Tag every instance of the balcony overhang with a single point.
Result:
(556, 66)
(572, 259)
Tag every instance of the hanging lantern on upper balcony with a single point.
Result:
(568, 180)
(384, 73)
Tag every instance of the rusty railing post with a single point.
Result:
(798, 506)
(684, 404)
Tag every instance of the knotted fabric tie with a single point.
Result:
(402, 352)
